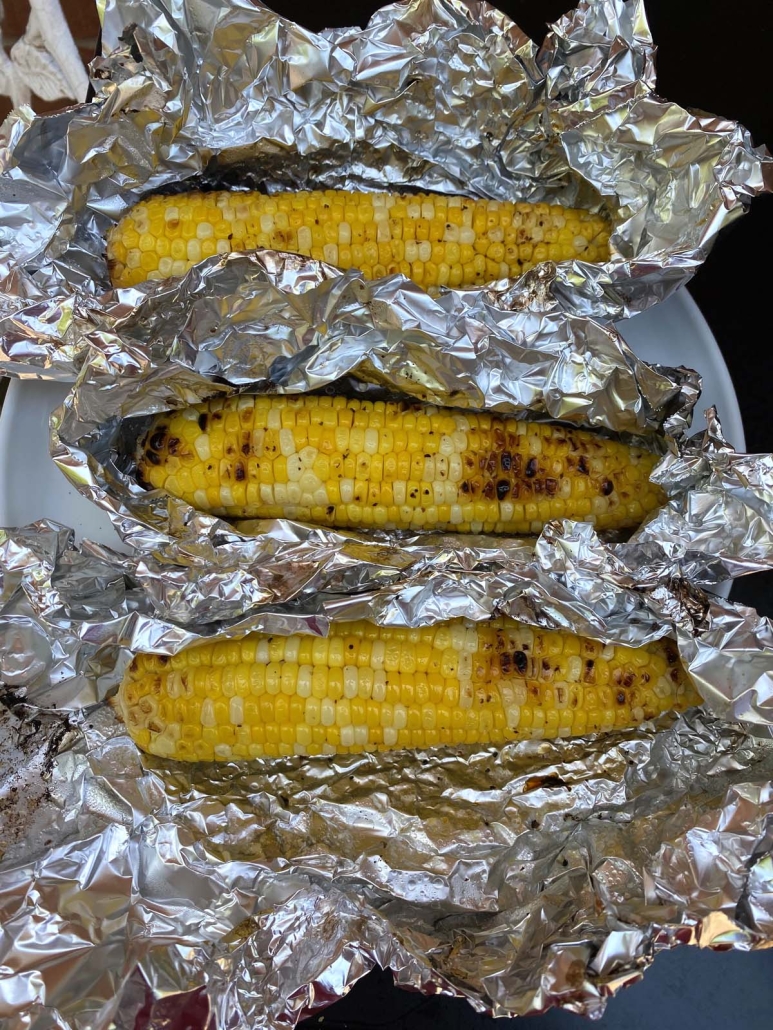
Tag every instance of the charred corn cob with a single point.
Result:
(433, 239)
(391, 465)
(367, 688)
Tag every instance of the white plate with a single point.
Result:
(31, 487)
(676, 333)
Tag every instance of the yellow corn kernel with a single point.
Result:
(435, 240)
(495, 682)
(343, 462)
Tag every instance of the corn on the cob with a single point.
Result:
(367, 688)
(433, 239)
(392, 465)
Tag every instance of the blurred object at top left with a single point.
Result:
(44, 48)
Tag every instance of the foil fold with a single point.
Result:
(547, 873)
(440, 95)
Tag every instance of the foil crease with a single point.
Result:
(441, 95)
(219, 330)
(547, 873)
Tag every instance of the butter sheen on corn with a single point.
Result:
(361, 464)
(434, 240)
(368, 688)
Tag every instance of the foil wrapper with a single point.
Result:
(434, 94)
(225, 327)
(547, 873)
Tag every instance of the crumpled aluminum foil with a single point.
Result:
(549, 873)
(218, 329)
(437, 94)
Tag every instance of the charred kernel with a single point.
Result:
(225, 696)
(153, 458)
(158, 439)
(582, 465)
(379, 233)
(203, 419)
(370, 465)
(521, 661)
(173, 444)
(239, 472)
(607, 487)
(671, 655)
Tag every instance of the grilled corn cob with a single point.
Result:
(392, 465)
(434, 240)
(367, 688)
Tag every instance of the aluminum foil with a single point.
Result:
(548, 873)
(218, 330)
(434, 94)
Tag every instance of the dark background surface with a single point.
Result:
(717, 57)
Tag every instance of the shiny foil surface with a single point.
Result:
(438, 95)
(547, 873)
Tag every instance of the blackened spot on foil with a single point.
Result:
(38, 738)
